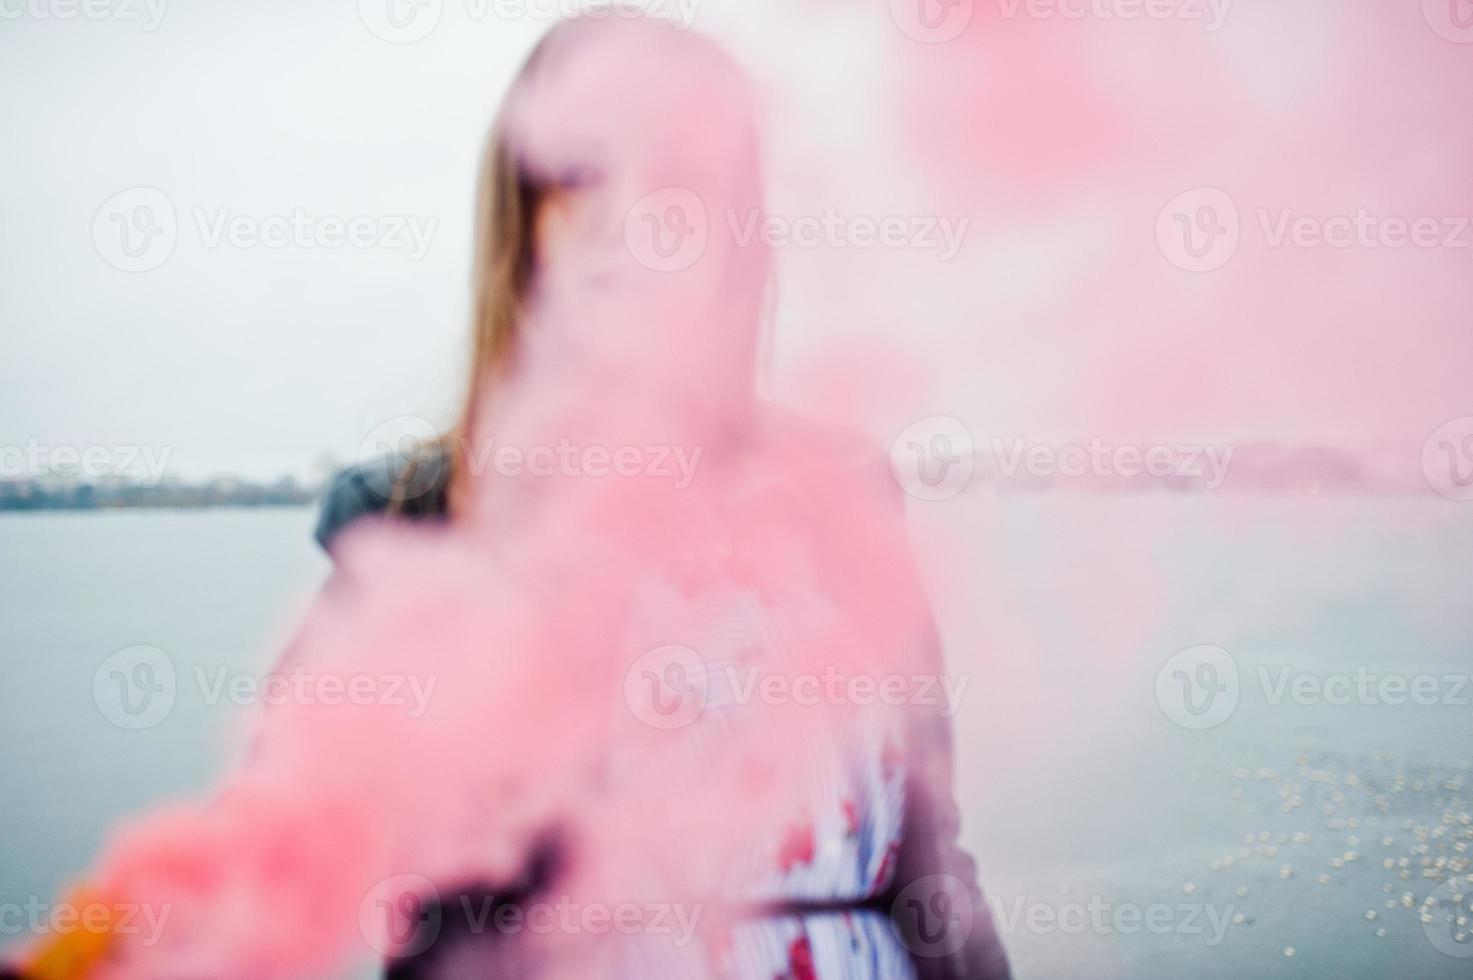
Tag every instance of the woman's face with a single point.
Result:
(567, 224)
(633, 268)
(625, 128)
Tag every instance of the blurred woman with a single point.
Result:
(609, 133)
(613, 313)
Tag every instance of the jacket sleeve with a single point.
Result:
(415, 489)
(348, 497)
(939, 908)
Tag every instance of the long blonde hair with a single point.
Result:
(507, 200)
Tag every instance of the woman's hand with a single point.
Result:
(68, 954)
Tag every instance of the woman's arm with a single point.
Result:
(936, 880)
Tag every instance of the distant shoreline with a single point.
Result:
(34, 496)
(158, 508)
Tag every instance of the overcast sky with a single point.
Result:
(240, 357)
(240, 233)
(236, 355)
